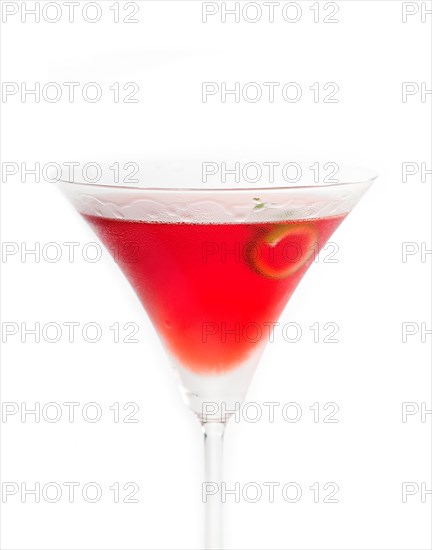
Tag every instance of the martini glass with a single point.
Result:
(214, 266)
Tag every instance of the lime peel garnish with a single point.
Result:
(274, 237)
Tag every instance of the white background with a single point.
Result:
(369, 292)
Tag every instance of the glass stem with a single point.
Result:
(213, 444)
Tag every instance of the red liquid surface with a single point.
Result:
(210, 289)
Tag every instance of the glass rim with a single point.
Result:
(221, 189)
(368, 176)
